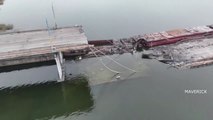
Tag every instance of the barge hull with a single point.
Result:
(164, 38)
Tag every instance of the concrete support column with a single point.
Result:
(60, 66)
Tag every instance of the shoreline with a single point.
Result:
(5, 27)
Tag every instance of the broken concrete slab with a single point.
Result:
(187, 54)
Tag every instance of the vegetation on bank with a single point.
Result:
(4, 27)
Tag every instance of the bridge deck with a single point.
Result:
(39, 42)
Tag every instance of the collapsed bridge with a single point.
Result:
(189, 47)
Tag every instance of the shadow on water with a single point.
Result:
(45, 101)
(26, 66)
(31, 65)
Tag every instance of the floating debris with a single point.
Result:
(112, 46)
(118, 77)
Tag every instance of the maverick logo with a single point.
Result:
(196, 91)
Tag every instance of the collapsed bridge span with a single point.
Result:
(189, 47)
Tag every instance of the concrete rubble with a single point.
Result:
(187, 54)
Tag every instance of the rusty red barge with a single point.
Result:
(173, 36)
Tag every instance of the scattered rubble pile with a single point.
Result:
(119, 46)
(187, 54)
(181, 48)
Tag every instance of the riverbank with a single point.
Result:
(4, 27)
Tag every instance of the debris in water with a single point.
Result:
(80, 58)
(190, 54)
(118, 77)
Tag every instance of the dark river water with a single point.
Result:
(92, 92)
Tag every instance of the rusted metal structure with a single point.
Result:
(173, 36)
(185, 48)
(101, 42)
(110, 47)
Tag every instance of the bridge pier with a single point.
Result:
(60, 66)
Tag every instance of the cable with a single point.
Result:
(115, 61)
(103, 62)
